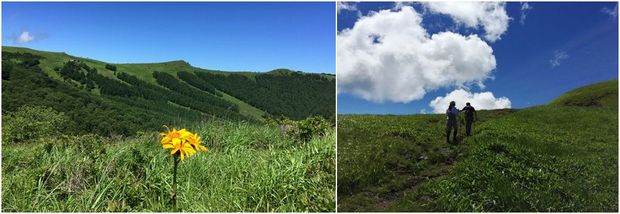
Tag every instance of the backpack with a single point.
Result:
(452, 113)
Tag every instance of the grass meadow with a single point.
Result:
(248, 168)
(557, 157)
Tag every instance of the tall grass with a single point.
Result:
(538, 159)
(546, 158)
(248, 168)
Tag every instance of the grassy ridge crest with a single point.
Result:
(603, 94)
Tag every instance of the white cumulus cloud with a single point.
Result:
(491, 16)
(483, 100)
(389, 56)
(24, 37)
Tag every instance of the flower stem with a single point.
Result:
(174, 182)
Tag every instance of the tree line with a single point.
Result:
(172, 83)
(291, 94)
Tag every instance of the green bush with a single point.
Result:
(110, 67)
(32, 122)
(311, 126)
(89, 145)
(29, 62)
(302, 130)
(7, 67)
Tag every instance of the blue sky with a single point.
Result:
(557, 47)
(224, 36)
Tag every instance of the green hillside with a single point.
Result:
(558, 157)
(138, 96)
(604, 94)
(80, 135)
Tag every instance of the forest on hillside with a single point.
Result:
(291, 94)
(122, 104)
(25, 84)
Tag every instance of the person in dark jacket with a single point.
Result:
(470, 117)
(452, 114)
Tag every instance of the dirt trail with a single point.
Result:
(452, 153)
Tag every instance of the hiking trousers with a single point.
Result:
(452, 124)
(468, 127)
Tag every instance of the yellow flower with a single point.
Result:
(181, 142)
(167, 137)
(194, 140)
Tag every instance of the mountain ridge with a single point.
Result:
(175, 61)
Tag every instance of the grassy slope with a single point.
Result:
(603, 94)
(141, 70)
(559, 157)
(248, 168)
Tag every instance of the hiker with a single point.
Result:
(452, 113)
(470, 112)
